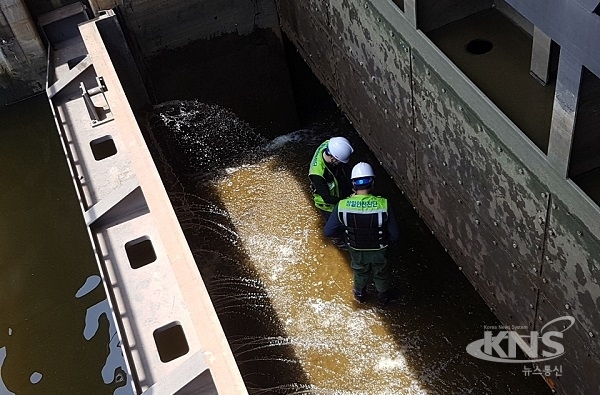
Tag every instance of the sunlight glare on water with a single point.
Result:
(344, 348)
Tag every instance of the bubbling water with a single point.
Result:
(283, 292)
(272, 273)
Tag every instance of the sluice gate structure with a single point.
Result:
(503, 172)
(171, 337)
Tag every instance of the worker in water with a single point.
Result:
(328, 177)
(327, 173)
(368, 225)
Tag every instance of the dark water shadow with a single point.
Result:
(262, 349)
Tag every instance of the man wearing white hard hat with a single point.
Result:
(327, 176)
(368, 225)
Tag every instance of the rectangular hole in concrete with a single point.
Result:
(140, 252)
(171, 342)
(103, 147)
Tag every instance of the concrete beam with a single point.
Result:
(102, 207)
(564, 111)
(568, 24)
(68, 77)
(410, 12)
(171, 280)
(588, 5)
(540, 56)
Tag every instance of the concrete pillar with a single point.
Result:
(540, 56)
(101, 5)
(564, 111)
(23, 28)
(22, 53)
(410, 12)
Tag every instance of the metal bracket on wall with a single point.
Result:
(101, 113)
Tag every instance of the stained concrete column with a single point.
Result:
(22, 53)
(564, 111)
(23, 28)
(540, 56)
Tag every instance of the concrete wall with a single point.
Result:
(432, 14)
(152, 26)
(156, 25)
(522, 233)
(22, 55)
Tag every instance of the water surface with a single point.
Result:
(55, 335)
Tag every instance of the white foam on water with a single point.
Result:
(292, 137)
(342, 348)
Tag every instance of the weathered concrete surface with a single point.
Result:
(540, 56)
(152, 26)
(526, 238)
(22, 55)
(563, 111)
(176, 341)
(156, 26)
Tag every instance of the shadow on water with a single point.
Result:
(187, 141)
(195, 145)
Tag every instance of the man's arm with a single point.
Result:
(343, 179)
(392, 227)
(321, 188)
(333, 227)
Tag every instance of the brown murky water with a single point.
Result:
(283, 292)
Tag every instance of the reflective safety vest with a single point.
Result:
(364, 218)
(319, 167)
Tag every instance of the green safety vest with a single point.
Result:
(319, 167)
(364, 218)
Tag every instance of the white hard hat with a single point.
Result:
(340, 149)
(362, 170)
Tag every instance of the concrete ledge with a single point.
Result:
(170, 331)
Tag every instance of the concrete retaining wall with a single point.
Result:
(152, 26)
(526, 237)
(22, 55)
(158, 25)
